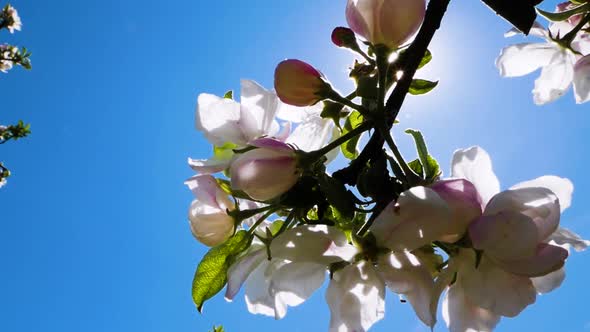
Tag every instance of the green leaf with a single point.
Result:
(416, 166)
(562, 16)
(426, 59)
(332, 111)
(349, 149)
(337, 195)
(218, 329)
(229, 95)
(224, 152)
(430, 167)
(211, 275)
(420, 87)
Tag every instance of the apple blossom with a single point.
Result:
(208, 218)
(297, 268)
(515, 237)
(227, 124)
(2, 182)
(422, 215)
(9, 18)
(267, 171)
(299, 84)
(556, 60)
(387, 22)
(356, 293)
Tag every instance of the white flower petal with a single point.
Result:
(208, 166)
(294, 283)
(356, 298)
(241, 270)
(462, 315)
(549, 282)
(522, 59)
(217, 118)
(315, 244)
(257, 112)
(555, 79)
(474, 164)
(404, 274)
(563, 188)
(258, 296)
(582, 79)
(419, 217)
(312, 134)
(565, 237)
(490, 287)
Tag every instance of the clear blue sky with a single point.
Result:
(93, 230)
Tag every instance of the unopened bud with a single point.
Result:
(266, 172)
(385, 22)
(299, 84)
(344, 37)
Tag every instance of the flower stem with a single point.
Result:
(260, 221)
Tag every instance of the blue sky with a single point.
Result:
(93, 230)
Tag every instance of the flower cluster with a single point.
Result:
(11, 55)
(279, 224)
(564, 56)
(9, 19)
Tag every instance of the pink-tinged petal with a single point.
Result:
(465, 203)
(272, 144)
(359, 17)
(403, 273)
(490, 287)
(356, 297)
(582, 79)
(257, 111)
(506, 235)
(565, 237)
(217, 118)
(563, 188)
(474, 165)
(294, 283)
(241, 270)
(314, 244)
(555, 79)
(208, 166)
(462, 315)
(547, 259)
(419, 217)
(522, 59)
(540, 204)
(265, 173)
(549, 282)
(205, 188)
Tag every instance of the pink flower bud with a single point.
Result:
(266, 172)
(344, 37)
(299, 84)
(209, 221)
(387, 22)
